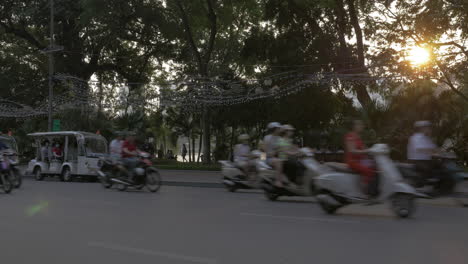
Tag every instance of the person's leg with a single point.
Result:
(278, 167)
(367, 176)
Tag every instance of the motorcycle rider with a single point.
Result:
(115, 147)
(3, 146)
(129, 155)
(357, 159)
(242, 155)
(287, 151)
(271, 149)
(421, 149)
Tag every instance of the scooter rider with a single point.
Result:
(271, 148)
(270, 129)
(129, 155)
(421, 149)
(357, 159)
(286, 151)
(242, 155)
(115, 147)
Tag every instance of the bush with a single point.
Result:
(175, 165)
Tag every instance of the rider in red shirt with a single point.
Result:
(129, 155)
(357, 159)
(129, 149)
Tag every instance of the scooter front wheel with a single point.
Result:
(105, 180)
(403, 205)
(7, 184)
(326, 206)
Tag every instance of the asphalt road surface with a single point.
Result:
(55, 222)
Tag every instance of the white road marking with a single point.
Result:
(301, 218)
(152, 253)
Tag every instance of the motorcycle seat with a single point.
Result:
(341, 167)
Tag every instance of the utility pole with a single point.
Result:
(51, 64)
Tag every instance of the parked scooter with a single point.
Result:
(234, 178)
(144, 174)
(303, 177)
(342, 187)
(447, 185)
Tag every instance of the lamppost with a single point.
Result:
(51, 65)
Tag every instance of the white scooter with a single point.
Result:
(233, 176)
(303, 185)
(342, 187)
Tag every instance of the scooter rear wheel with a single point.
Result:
(122, 187)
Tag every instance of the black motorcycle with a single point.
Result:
(144, 174)
(16, 175)
(448, 175)
(6, 173)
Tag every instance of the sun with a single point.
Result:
(419, 55)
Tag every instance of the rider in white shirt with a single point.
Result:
(115, 147)
(421, 148)
(242, 155)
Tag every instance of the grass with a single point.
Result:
(175, 165)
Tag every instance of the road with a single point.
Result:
(55, 222)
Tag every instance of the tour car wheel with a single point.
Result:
(66, 175)
(38, 174)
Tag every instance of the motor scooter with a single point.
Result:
(342, 187)
(301, 177)
(144, 174)
(234, 178)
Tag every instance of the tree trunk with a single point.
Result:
(231, 145)
(341, 26)
(361, 90)
(101, 98)
(189, 149)
(206, 137)
(193, 148)
(200, 147)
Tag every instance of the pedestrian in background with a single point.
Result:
(184, 153)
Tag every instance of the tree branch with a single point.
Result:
(213, 32)
(189, 35)
(22, 33)
(452, 43)
(450, 83)
(353, 14)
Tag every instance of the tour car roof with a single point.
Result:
(63, 133)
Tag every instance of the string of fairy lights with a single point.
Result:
(193, 94)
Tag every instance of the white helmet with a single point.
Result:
(273, 125)
(423, 123)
